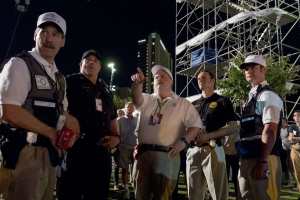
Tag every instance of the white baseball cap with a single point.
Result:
(257, 59)
(54, 18)
(155, 69)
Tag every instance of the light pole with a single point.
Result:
(113, 70)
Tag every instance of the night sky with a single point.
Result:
(113, 27)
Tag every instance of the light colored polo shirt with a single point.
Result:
(177, 114)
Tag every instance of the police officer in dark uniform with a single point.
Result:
(259, 144)
(88, 163)
(206, 160)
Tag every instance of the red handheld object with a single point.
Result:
(64, 138)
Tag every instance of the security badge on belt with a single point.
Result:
(42, 82)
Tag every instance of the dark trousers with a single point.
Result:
(232, 161)
(175, 195)
(87, 176)
(115, 157)
(285, 164)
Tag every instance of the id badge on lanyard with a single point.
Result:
(157, 116)
(99, 105)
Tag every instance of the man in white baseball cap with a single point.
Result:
(156, 68)
(168, 123)
(32, 98)
(259, 145)
(254, 59)
(52, 17)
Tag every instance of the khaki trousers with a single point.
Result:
(274, 179)
(6, 177)
(206, 165)
(295, 157)
(34, 178)
(156, 175)
(252, 189)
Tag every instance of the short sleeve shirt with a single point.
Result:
(215, 111)
(269, 105)
(15, 81)
(92, 105)
(163, 122)
(295, 130)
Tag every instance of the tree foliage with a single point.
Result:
(121, 96)
(279, 72)
(118, 101)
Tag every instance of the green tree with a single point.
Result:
(118, 102)
(120, 96)
(279, 72)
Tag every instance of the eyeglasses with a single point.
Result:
(249, 66)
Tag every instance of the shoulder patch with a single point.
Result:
(42, 82)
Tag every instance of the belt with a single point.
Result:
(154, 147)
(255, 137)
(201, 145)
(212, 145)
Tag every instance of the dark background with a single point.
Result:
(111, 26)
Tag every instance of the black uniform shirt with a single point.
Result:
(293, 128)
(92, 105)
(215, 111)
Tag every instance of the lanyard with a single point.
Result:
(160, 105)
(156, 116)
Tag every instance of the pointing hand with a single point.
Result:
(138, 77)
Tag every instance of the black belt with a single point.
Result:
(153, 147)
(204, 145)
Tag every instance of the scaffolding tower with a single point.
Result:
(210, 33)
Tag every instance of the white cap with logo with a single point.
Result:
(54, 18)
(155, 69)
(257, 59)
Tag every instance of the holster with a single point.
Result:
(11, 144)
